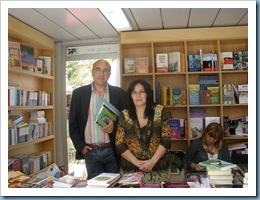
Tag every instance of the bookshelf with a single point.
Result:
(188, 41)
(32, 81)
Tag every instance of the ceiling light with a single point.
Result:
(117, 18)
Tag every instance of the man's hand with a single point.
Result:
(110, 127)
(86, 149)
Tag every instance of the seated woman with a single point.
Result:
(143, 136)
(209, 146)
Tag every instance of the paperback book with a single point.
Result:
(66, 181)
(103, 180)
(217, 164)
(104, 110)
(131, 179)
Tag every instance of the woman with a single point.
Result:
(143, 135)
(210, 146)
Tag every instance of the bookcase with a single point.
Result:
(32, 81)
(188, 41)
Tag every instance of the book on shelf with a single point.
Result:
(214, 94)
(217, 164)
(194, 94)
(14, 54)
(105, 109)
(47, 65)
(237, 60)
(245, 60)
(209, 120)
(131, 179)
(243, 93)
(194, 64)
(39, 65)
(161, 62)
(228, 94)
(129, 65)
(205, 97)
(66, 181)
(196, 127)
(174, 61)
(175, 127)
(27, 56)
(208, 63)
(142, 65)
(158, 92)
(226, 60)
(176, 96)
(103, 180)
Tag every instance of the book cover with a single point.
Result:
(104, 179)
(47, 65)
(245, 60)
(14, 56)
(196, 127)
(176, 96)
(175, 184)
(158, 92)
(105, 109)
(242, 93)
(194, 94)
(226, 60)
(183, 63)
(28, 59)
(208, 63)
(131, 178)
(162, 62)
(194, 63)
(66, 181)
(228, 94)
(214, 95)
(217, 164)
(174, 61)
(175, 127)
(209, 120)
(237, 60)
(129, 65)
(205, 97)
(142, 65)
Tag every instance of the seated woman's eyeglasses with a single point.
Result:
(99, 71)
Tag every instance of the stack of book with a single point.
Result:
(103, 180)
(241, 175)
(219, 171)
(220, 177)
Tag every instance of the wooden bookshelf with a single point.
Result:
(26, 80)
(188, 41)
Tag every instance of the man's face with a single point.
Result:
(101, 73)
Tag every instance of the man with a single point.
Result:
(92, 142)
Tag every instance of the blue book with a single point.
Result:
(194, 64)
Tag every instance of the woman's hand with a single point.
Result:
(199, 167)
(147, 166)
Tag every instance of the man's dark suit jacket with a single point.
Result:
(78, 116)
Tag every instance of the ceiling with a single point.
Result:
(84, 24)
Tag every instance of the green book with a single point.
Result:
(217, 164)
(105, 109)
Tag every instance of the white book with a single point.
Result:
(209, 120)
(47, 69)
(174, 61)
(103, 179)
(196, 127)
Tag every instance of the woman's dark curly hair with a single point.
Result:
(149, 111)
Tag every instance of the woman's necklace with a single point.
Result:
(210, 151)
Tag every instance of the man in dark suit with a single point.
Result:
(92, 142)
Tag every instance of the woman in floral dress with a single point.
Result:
(143, 135)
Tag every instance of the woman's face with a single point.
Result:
(139, 95)
(210, 140)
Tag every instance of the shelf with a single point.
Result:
(29, 74)
(24, 144)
